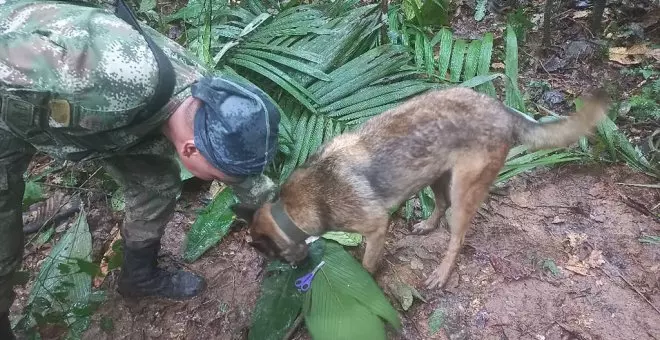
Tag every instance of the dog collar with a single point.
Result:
(285, 223)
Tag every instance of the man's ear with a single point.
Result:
(243, 212)
(188, 148)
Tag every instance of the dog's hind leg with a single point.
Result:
(442, 201)
(471, 180)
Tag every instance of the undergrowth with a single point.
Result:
(329, 69)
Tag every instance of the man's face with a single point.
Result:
(193, 160)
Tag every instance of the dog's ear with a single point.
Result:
(243, 212)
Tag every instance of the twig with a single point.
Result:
(294, 328)
(618, 272)
(635, 289)
(639, 207)
(70, 187)
(652, 186)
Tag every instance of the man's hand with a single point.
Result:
(255, 190)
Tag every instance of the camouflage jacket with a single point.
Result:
(98, 69)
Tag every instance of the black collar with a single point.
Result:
(285, 223)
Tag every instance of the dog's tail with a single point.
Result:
(565, 131)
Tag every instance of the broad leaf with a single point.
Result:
(211, 225)
(344, 238)
(345, 301)
(279, 301)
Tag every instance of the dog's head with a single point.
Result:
(267, 236)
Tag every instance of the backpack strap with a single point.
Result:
(166, 78)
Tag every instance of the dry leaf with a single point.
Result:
(575, 240)
(595, 259)
(655, 54)
(581, 14)
(578, 270)
(498, 66)
(630, 55)
(104, 260)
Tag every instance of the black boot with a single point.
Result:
(5, 327)
(140, 276)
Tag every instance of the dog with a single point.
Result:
(454, 140)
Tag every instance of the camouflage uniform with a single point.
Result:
(72, 79)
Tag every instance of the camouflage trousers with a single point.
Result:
(151, 184)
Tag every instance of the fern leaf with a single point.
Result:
(457, 57)
(277, 76)
(480, 10)
(446, 41)
(484, 64)
(289, 62)
(472, 59)
(513, 98)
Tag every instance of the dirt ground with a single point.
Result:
(554, 255)
(575, 216)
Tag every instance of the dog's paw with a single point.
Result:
(437, 279)
(423, 228)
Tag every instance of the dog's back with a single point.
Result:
(399, 152)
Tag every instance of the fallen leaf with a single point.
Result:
(578, 270)
(98, 280)
(416, 264)
(655, 53)
(581, 14)
(344, 238)
(558, 220)
(497, 66)
(436, 320)
(405, 294)
(575, 240)
(630, 55)
(595, 259)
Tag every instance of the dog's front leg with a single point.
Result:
(375, 239)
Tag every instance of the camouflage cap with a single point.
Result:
(236, 126)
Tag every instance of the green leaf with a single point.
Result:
(457, 57)
(344, 238)
(484, 64)
(146, 5)
(44, 236)
(405, 294)
(345, 301)
(277, 307)
(446, 38)
(286, 61)
(55, 281)
(279, 301)
(211, 225)
(427, 201)
(33, 193)
(117, 202)
(480, 10)
(513, 98)
(472, 59)
(648, 239)
(477, 81)
(437, 320)
(277, 76)
(550, 265)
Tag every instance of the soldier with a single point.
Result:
(85, 82)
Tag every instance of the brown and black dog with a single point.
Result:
(454, 140)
